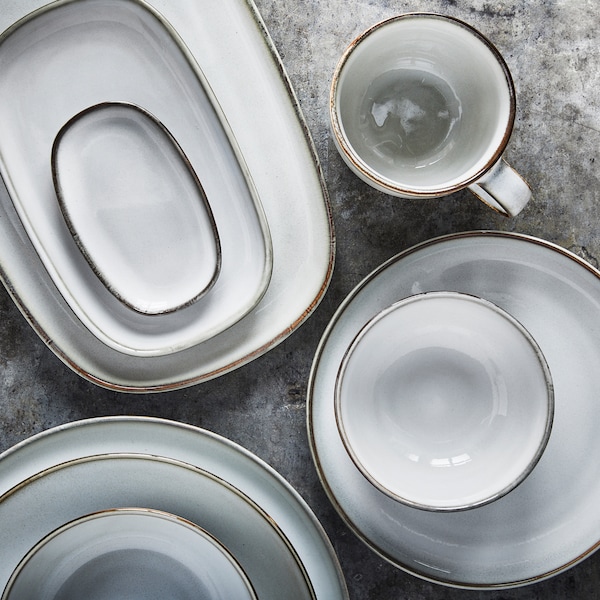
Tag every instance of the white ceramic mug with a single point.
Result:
(422, 105)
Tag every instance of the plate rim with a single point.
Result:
(288, 498)
(102, 370)
(169, 463)
(371, 544)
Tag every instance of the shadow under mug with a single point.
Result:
(423, 105)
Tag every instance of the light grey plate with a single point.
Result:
(549, 522)
(95, 483)
(230, 463)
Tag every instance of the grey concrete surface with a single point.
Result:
(551, 47)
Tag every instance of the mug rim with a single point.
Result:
(372, 176)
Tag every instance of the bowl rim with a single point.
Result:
(483, 500)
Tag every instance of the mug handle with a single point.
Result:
(502, 189)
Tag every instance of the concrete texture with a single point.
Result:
(552, 49)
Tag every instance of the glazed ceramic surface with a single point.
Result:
(90, 42)
(550, 521)
(423, 105)
(135, 207)
(270, 134)
(444, 401)
(112, 480)
(129, 553)
(241, 491)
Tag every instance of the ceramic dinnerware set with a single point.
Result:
(147, 239)
(439, 400)
(143, 238)
(426, 366)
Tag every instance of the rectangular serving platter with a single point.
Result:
(232, 48)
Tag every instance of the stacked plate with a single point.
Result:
(163, 508)
(151, 233)
(128, 552)
(525, 529)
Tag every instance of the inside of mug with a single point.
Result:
(424, 104)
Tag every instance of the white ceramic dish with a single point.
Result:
(549, 522)
(130, 553)
(111, 480)
(123, 50)
(229, 463)
(135, 207)
(444, 401)
(267, 125)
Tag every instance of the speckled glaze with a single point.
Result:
(267, 124)
(129, 552)
(136, 208)
(180, 469)
(121, 479)
(473, 71)
(93, 58)
(551, 48)
(551, 520)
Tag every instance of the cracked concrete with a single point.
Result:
(551, 47)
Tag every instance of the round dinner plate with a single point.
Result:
(551, 521)
(90, 465)
(76, 488)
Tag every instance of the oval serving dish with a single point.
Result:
(274, 140)
(129, 552)
(73, 54)
(135, 207)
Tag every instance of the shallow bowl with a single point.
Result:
(444, 401)
(129, 553)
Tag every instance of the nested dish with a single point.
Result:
(101, 463)
(129, 552)
(551, 520)
(155, 482)
(135, 207)
(274, 140)
(73, 54)
(444, 401)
